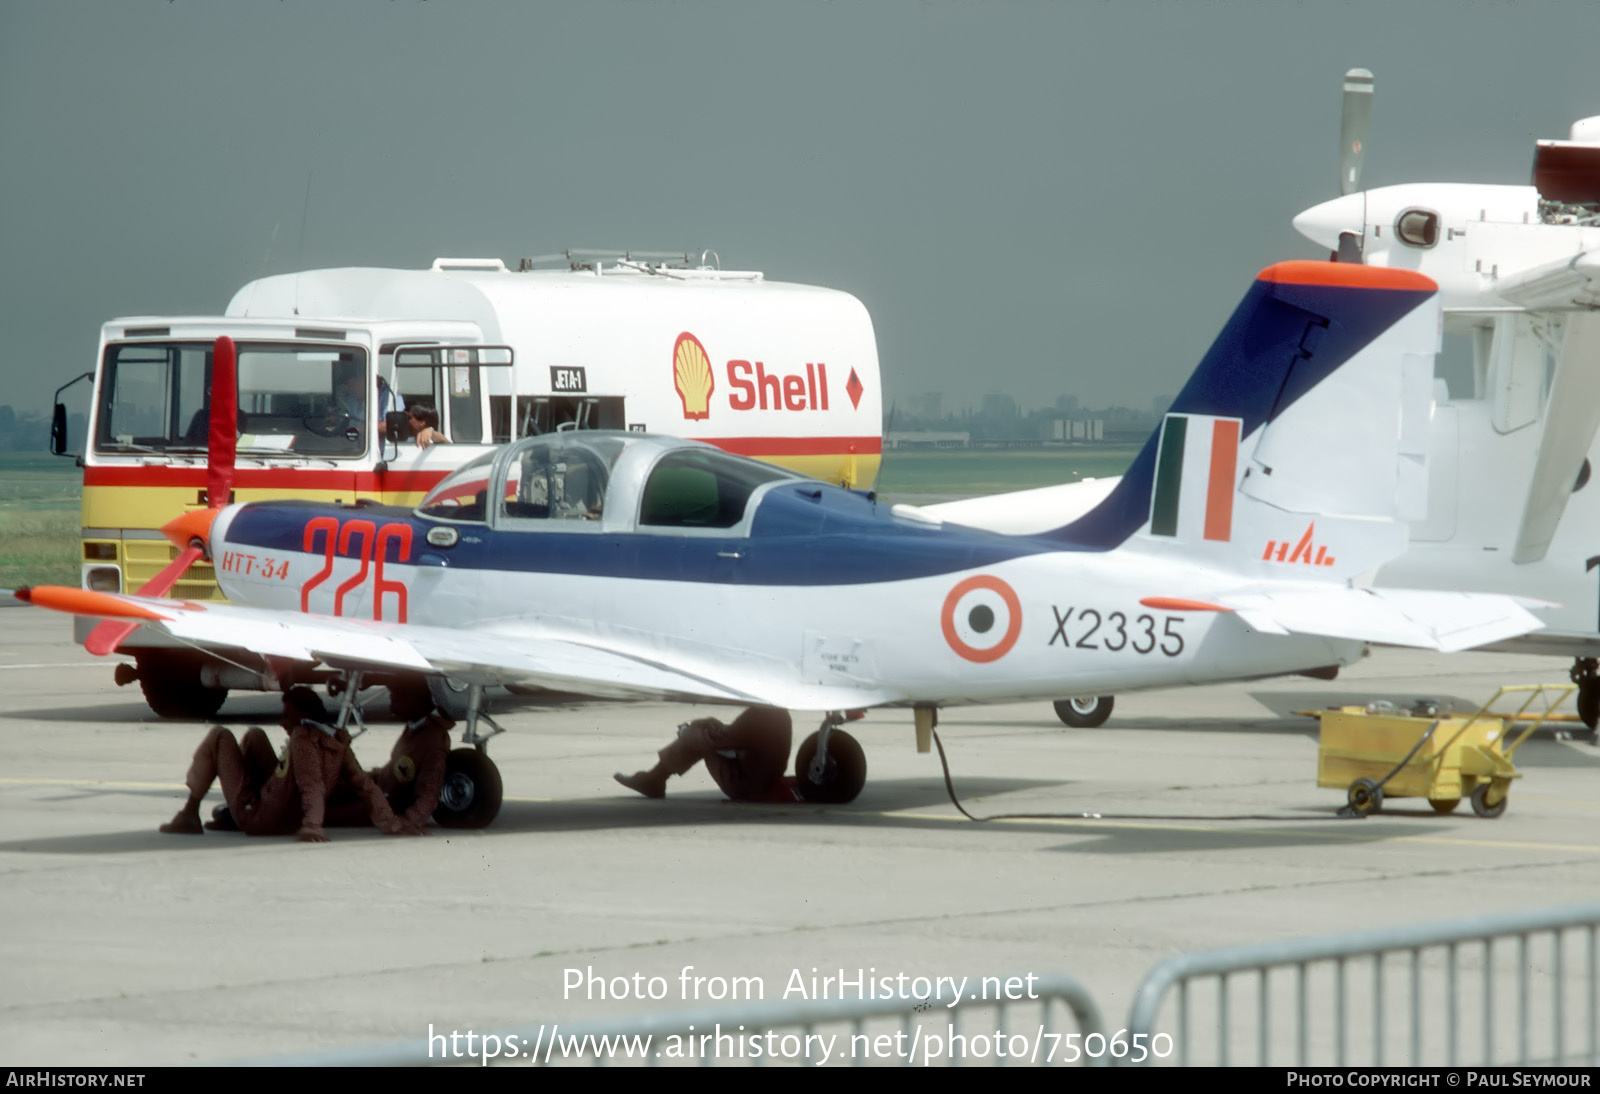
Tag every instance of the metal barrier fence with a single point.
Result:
(1518, 988)
(1397, 995)
(939, 1030)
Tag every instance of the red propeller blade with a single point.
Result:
(224, 444)
(221, 451)
(106, 637)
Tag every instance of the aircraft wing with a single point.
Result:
(1444, 621)
(510, 652)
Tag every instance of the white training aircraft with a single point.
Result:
(631, 566)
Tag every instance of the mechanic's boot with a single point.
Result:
(648, 783)
(185, 821)
(222, 820)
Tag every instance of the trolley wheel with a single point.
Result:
(844, 773)
(1365, 796)
(1085, 712)
(1444, 805)
(1480, 800)
(1589, 702)
(470, 797)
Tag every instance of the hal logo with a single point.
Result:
(1279, 551)
(568, 378)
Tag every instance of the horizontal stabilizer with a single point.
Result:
(1441, 621)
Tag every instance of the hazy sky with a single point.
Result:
(1031, 198)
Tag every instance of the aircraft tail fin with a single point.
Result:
(1300, 439)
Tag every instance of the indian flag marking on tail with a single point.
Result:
(1195, 471)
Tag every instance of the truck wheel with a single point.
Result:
(171, 685)
(844, 772)
(470, 797)
(1085, 712)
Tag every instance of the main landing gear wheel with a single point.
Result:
(1365, 796)
(1481, 796)
(844, 771)
(470, 797)
(1589, 702)
(1086, 711)
(171, 685)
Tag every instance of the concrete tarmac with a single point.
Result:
(127, 947)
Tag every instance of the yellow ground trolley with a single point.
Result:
(1379, 751)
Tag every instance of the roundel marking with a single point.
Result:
(977, 600)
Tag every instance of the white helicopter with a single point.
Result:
(626, 565)
(1507, 457)
(1519, 273)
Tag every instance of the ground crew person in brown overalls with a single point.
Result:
(269, 796)
(747, 759)
(414, 776)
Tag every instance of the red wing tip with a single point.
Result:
(1347, 274)
(63, 598)
(1179, 604)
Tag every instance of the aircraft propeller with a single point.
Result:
(1354, 121)
(190, 532)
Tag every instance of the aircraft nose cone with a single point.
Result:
(193, 525)
(1323, 223)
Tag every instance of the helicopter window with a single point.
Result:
(1418, 227)
(701, 489)
(561, 482)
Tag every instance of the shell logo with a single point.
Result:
(691, 375)
(981, 619)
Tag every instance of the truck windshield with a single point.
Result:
(299, 399)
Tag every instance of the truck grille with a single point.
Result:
(142, 559)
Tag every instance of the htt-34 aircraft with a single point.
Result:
(632, 566)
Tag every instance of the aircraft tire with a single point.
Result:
(845, 771)
(1589, 702)
(472, 790)
(1085, 712)
(171, 685)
